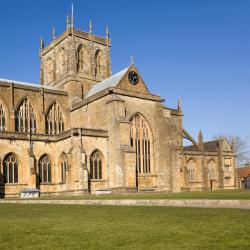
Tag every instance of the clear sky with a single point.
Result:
(196, 50)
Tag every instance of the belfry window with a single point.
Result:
(141, 139)
(54, 120)
(81, 58)
(49, 75)
(62, 61)
(2, 118)
(25, 117)
(45, 169)
(98, 63)
(64, 167)
(10, 169)
(96, 165)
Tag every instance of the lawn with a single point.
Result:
(220, 195)
(103, 227)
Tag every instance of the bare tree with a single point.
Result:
(240, 146)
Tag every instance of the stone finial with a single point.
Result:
(41, 44)
(107, 32)
(90, 26)
(67, 22)
(132, 60)
(72, 16)
(53, 32)
(200, 140)
(179, 103)
(107, 35)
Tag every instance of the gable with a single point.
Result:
(127, 85)
(225, 145)
(120, 80)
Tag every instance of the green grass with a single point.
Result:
(221, 195)
(104, 227)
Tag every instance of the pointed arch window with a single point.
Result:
(54, 120)
(44, 169)
(25, 117)
(62, 61)
(81, 58)
(63, 167)
(2, 118)
(191, 166)
(141, 141)
(96, 163)
(211, 170)
(49, 70)
(98, 63)
(10, 169)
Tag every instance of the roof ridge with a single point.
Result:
(36, 85)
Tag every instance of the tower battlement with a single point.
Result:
(75, 60)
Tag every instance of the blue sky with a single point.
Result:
(196, 50)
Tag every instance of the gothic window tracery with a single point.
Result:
(141, 139)
(25, 117)
(10, 169)
(62, 61)
(54, 120)
(2, 118)
(49, 69)
(211, 170)
(96, 165)
(63, 167)
(98, 63)
(44, 169)
(82, 58)
(191, 166)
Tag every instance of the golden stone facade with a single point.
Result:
(84, 130)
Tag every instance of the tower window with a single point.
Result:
(49, 70)
(62, 62)
(82, 62)
(98, 63)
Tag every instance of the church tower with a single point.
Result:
(75, 60)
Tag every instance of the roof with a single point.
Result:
(107, 83)
(243, 172)
(25, 83)
(208, 146)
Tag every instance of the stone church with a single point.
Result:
(85, 130)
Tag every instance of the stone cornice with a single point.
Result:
(94, 132)
(207, 153)
(77, 33)
(34, 137)
(37, 88)
(122, 92)
(73, 77)
(12, 136)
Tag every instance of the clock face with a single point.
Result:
(133, 77)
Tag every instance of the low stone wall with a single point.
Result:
(245, 204)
